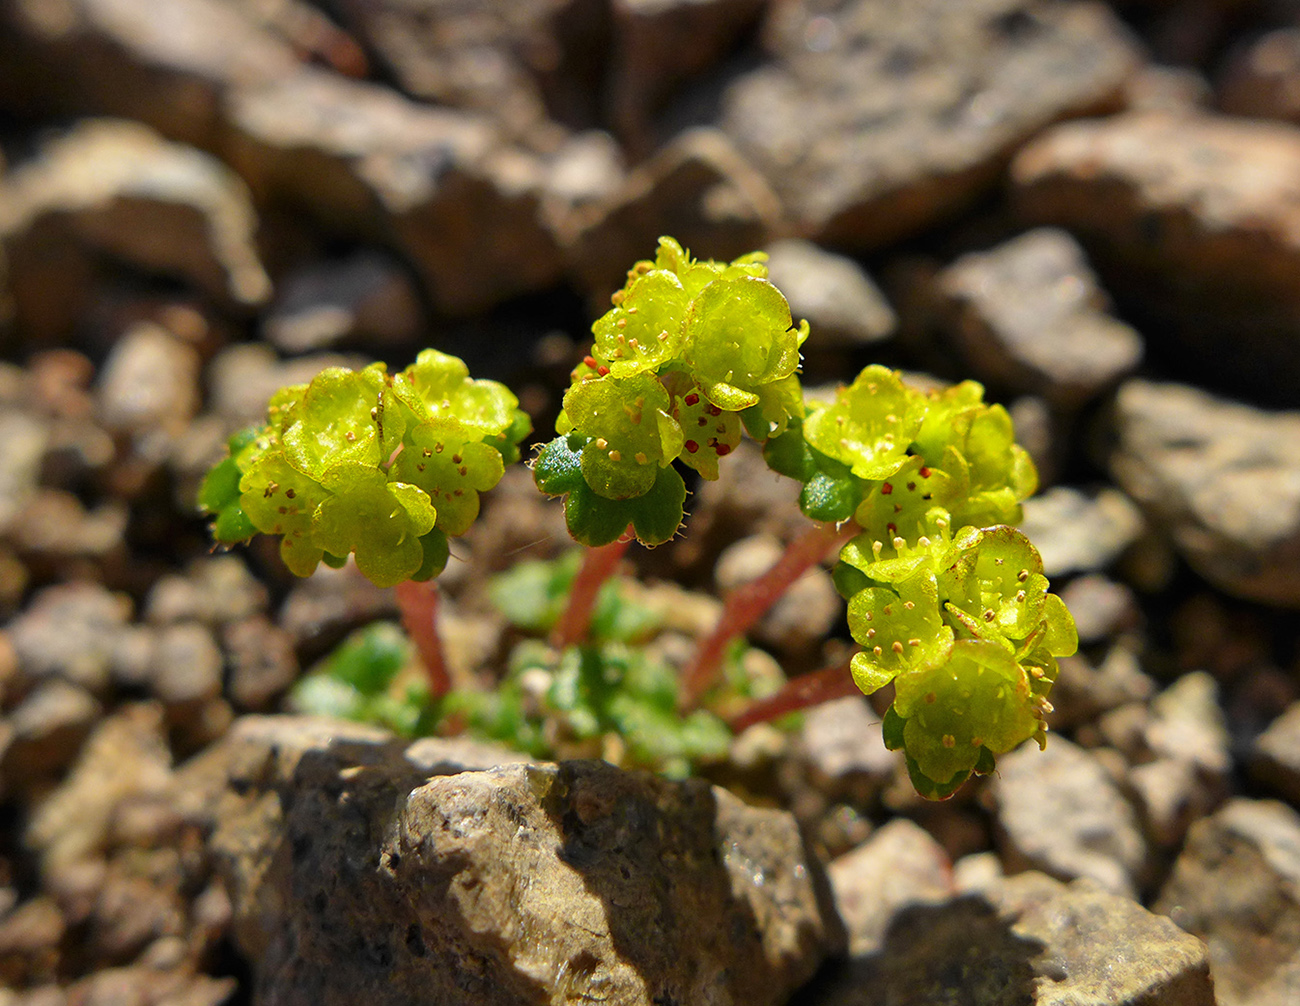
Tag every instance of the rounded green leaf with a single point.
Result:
(738, 337)
(870, 425)
(900, 629)
(335, 421)
(643, 331)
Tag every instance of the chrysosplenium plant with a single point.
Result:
(385, 467)
(947, 600)
(690, 353)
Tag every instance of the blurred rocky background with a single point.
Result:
(1092, 208)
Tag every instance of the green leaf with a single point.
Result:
(643, 331)
(870, 425)
(558, 469)
(997, 581)
(380, 521)
(631, 432)
(451, 473)
(438, 391)
(738, 337)
(901, 631)
(335, 421)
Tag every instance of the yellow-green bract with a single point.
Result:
(385, 467)
(691, 352)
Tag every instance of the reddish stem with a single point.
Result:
(418, 603)
(598, 565)
(747, 604)
(806, 690)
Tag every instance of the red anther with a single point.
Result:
(911, 487)
(886, 489)
(722, 449)
(692, 399)
(692, 446)
(892, 528)
(924, 472)
(602, 371)
(590, 361)
(714, 410)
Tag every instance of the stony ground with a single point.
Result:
(1092, 208)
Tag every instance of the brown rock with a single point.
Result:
(1030, 318)
(1195, 218)
(1276, 757)
(435, 182)
(843, 306)
(1222, 479)
(877, 120)
(1237, 886)
(1262, 79)
(699, 189)
(117, 189)
(458, 887)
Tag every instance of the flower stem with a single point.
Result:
(598, 565)
(813, 689)
(747, 604)
(418, 603)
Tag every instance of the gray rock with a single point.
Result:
(215, 590)
(1084, 690)
(521, 883)
(843, 306)
(1029, 939)
(30, 936)
(120, 57)
(900, 865)
(875, 121)
(69, 631)
(1029, 317)
(1223, 478)
(1275, 760)
(149, 383)
(507, 61)
(262, 661)
(843, 751)
(660, 45)
(699, 189)
(1237, 886)
(1078, 532)
(25, 438)
(1059, 811)
(1192, 216)
(187, 665)
(363, 296)
(436, 183)
(1101, 607)
(118, 188)
(243, 378)
(55, 525)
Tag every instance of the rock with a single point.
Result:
(1193, 218)
(1223, 478)
(146, 985)
(1030, 939)
(215, 590)
(29, 941)
(586, 171)
(262, 661)
(1157, 88)
(802, 616)
(365, 296)
(186, 666)
(843, 306)
(1262, 80)
(120, 57)
(1059, 811)
(874, 121)
(699, 189)
(55, 525)
(117, 189)
(25, 438)
(843, 752)
(509, 62)
(900, 865)
(1236, 885)
(1083, 690)
(243, 378)
(1078, 532)
(659, 45)
(126, 757)
(1029, 317)
(401, 886)
(1275, 760)
(48, 727)
(1101, 607)
(435, 183)
(69, 631)
(329, 604)
(149, 385)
